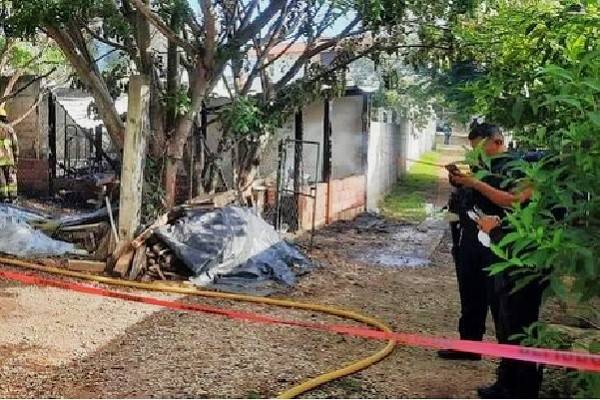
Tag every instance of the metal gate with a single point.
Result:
(81, 151)
(297, 178)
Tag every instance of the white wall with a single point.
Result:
(418, 140)
(347, 137)
(312, 120)
(382, 161)
(391, 146)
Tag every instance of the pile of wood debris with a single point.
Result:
(146, 258)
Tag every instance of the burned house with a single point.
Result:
(62, 144)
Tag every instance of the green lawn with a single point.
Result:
(407, 199)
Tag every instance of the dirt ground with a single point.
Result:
(55, 343)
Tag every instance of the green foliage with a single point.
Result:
(538, 65)
(27, 15)
(541, 335)
(410, 98)
(386, 13)
(566, 383)
(243, 117)
(180, 101)
(33, 57)
(174, 11)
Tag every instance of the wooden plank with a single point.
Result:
(88, 227)
(220, 199)
(139, 263)
(134, 154)
(160, 221)
(103, 250)
(96, 267)
(123, 263)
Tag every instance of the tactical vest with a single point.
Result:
(7, 136)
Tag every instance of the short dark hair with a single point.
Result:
(4, 120)
(484, 131)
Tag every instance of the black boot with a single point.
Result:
(458, 355)
(495, 391)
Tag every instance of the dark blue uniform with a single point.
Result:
(513, 312)
(469, 258)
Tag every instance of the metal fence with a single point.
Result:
(297, 178)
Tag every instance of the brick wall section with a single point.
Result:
(346, 200)
(33, 176)
(306, 208)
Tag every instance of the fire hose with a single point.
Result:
(568, 359)
(187, 290)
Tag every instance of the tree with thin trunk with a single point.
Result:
(185, 49)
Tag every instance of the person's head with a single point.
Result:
(489, 137)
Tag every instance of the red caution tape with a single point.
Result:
(576, 360)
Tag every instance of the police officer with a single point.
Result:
(513, 311)
(9, 156)
(470, 257)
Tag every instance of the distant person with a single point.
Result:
(470, 257)
(447, 133)
(9, 157)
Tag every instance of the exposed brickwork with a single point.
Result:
(33, 176)
(346, 200)
(346, 194)
(306, 208)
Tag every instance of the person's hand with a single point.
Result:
(488, 222)
(450, 176)
(463, 180)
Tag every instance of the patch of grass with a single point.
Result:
(407, 199)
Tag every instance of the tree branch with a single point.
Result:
(22, 89)
(130, 17)
(262, 54)
(108, 53)
(163, 28)
(29, 111)
(106, 41)
(325, 22)
(12, 81)
(89, 75)
(210, 28)
(246, 33)
(283, 52)
(311, 52)
(249, 10)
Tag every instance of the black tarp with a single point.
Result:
(232, 248)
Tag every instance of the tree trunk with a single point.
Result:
(249, 156)
(198, 167)
(158, 140)
(199, 84)
(172, 79)
(175, 149)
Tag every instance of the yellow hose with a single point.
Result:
(189, 290)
